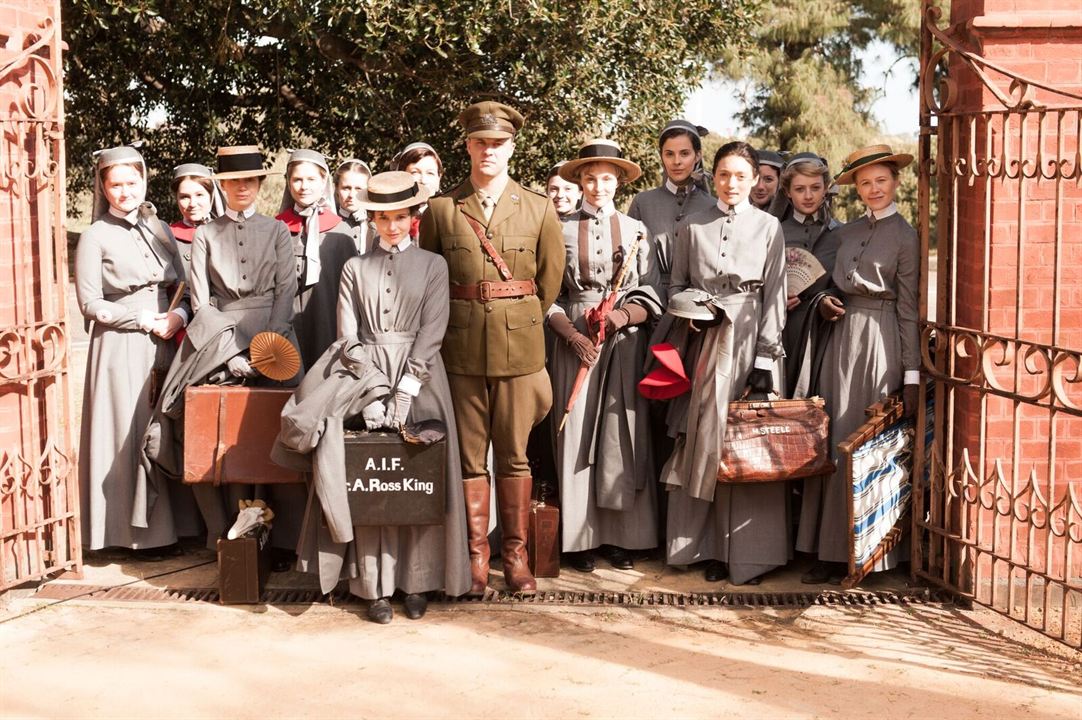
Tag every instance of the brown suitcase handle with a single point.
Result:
(219, 450)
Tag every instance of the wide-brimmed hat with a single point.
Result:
(669, 379)
(871, 155)
(692, 304)
(239, 161)
(600, 150)
(393, 190)
(490, 119)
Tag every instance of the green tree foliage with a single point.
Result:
(365, 77)
(804, 78)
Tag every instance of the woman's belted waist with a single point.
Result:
(387, 338)
(870, 303)
(587, 296)
(735, 300)
(150, 296)
(244, 303)
(493, 290)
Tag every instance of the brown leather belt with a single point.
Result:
(493, 290)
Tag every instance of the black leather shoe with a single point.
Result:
(753, 581)
(825, 573)
(380, 611)
(716, 571)
(282, 560)
(621, 559)
(581, 561)
(416, 605)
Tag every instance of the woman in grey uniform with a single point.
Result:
(350, 180)
(322, 244)
(243, 267)
(662, 208)
(736, 254)
(125, 263)
(874, 347)
(604, 458)
(394, 301)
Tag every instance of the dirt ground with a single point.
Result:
(183, 660)
(87, 657)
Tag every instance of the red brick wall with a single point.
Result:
(1012, 230)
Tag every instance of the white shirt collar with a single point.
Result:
(402, 245)
(800, 217)
(737, 209)
(235, 216)
(599, 212)
(886, 212)
(131, 217)
(674, 188)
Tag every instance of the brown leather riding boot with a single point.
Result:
(476, 492)
(513, 501)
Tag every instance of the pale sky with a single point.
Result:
(715, 104)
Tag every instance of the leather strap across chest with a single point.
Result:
(487, 290)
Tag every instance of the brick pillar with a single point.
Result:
(1013, 231)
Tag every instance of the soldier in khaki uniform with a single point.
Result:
(505, 254)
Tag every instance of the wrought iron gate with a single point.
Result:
(39, 521)
(998, 509)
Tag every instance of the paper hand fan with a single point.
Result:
(274, 356)
(802, 269)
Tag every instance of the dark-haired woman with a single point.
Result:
(678, 196)
(874, 347)
(766, 187)
(125, 263)
(421, 161)
(199, 201)
(322, 245)
(392, 312)
(350, 180)
(564, 194)
(735, 253)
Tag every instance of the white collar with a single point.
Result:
(130, 217)
(402, 245)
(674, 188)
(801, 217)
(886, 212)
(243, 215)
(598, 212)
(737, 209)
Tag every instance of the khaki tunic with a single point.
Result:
(121, 270)
(740, 258)
(503, 337)
(604, 456)
(877, 275)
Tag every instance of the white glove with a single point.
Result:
(373, 415)
(239, 367)
(398, 409)
(146, 320)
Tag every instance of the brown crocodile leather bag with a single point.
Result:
(775, 440)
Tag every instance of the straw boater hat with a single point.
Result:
(871, 155)
(239, 161)
(393, 190)
(600, 150)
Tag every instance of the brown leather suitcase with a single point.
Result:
(243, 567)
(543, 540)
(229, 432)
(392, 482)
(772, 440)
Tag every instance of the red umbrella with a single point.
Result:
(595, 325)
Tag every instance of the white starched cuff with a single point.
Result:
(764, 363)
(912, 377)
(409, 385)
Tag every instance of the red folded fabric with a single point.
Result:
(667, 381)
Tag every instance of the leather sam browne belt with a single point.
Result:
(494, 290)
